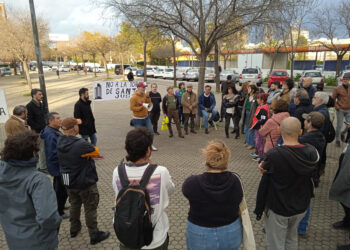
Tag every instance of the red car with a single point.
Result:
(278, 75)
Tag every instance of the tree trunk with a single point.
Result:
(216, 66)
(122, 69)
(292, 65)
(274, 55)
(76, 59)
(26, 71)
(174, 56)
(105, 63)
(339, 61)
(82, 57)
(94, 57)
(225, 61)
(145, 60)
(202, 64)
(22, 70)
(14, 65)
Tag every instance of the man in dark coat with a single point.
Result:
(36, 120)
(50, 135)
(303, 105)
(82, 111)
(130, 76)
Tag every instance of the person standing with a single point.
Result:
(306, 84)
(313, 136)
(190, 108)
(138, 105)
(17, 122)
(170, 109)
(213, 219)
(273, 92)
(341, 96)
(156, 99)
(179, 93)
(28, 207)
(58, 73)
(249, 108)
(224, 91)
(36, 119)
(286, 170)
(79, 175)
(230, 103)
(83, 111)
(303, 105)
(138, 144)
(206, 104)
(130, 76)
(50, 135)
(287, 86)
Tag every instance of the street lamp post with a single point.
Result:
(38, 56)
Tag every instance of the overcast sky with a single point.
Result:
(67, 16)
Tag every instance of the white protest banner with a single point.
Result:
(4, 112)
(104, 91)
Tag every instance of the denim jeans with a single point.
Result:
(93, 138)
(146, 122)
(206, 115)
(304, 222)
(249, 133)
(341, 113)
(227, 237)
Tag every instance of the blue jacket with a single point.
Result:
(324, 111)
(201, 102)
(311, 90)
(50, 136)
(28, 207)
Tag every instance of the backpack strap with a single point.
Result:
(147, 175)
(123, 177)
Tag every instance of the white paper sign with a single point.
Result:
(4, 112)
(104, 91)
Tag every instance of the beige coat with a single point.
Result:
(14, 126)
(188, 100)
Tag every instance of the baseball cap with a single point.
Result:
(316, 118)
(346, 75)
(69, 123)
(142, 85)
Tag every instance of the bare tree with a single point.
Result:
(16, 39)
(190, 20)
(332, 22)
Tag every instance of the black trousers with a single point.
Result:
(181, 115)
(222, 109)
(347, 214)
(228, 118)
(236, 119)
(187, 117)
(154, 117)
(61, 193)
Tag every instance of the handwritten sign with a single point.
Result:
(104, 91)
(4, 112)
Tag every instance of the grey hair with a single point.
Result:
(18, 110)
(51, 116)
(154, 84)
(324, 97)
(301, 94)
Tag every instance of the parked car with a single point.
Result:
(192, 75)
(46, 68)
(278, 75)
(209, 75)
(180, 73)
(226, 72)
(54, 67)
(150, 71)
(5, 71)
(251, 74)
(159, 73)
(340, 78)
(100, 69)
(139, 72)
(168, 74)
(64, 69)
(317, 78)
(118, 68)
(134, 69)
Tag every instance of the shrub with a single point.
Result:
(330, 81)
(297, 77)
(266, 79)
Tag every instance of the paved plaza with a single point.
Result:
(181, 156)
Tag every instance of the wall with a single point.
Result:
(281, 61)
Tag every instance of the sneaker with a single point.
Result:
(100, 236)
(237, 137)
(256, 159)
(206, 131)
(253, 154)
(193, 132)
(181, 136)
(154, 148)
(340, 225)
(156, 133)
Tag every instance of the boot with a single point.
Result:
(99, 236)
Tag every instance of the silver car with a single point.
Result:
(226, 72)
(316, 76)
(5, 71)
(209, 75)
(252, 75)
(192, 75)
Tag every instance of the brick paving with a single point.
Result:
(182, 157)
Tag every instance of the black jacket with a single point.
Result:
(304, 106)
(77, 172)
(225, 85)
(287, 187)
(82, 110)
(165, 104)
(36, 116)
(156, 99)
(323, 109)
(130, 76)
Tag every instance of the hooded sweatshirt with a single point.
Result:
(77, 171)
(214, 198)
(28, 206)
(287, 187)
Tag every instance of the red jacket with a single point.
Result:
(260, 117)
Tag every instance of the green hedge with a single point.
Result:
(297, 77)
(330, 81)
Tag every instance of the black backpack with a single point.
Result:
(331, 133)
(132, 218)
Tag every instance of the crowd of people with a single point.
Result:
(288, 128)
